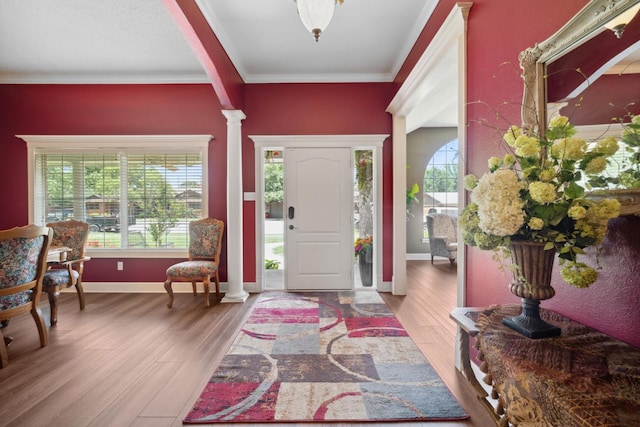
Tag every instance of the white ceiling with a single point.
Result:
(138, 41)
(367, 40)
(93, 41)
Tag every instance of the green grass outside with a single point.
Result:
(273, 238)
(112, 240)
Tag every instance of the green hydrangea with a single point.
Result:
(595, 166)
(542, 192)
(534, 193)
(578, 274)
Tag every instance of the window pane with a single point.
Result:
(441, 181)
(129, 200)
(102, 199)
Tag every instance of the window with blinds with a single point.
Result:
(131, 198)
(441, 181)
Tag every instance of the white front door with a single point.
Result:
(318, 213)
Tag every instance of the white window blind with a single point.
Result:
(134, 197)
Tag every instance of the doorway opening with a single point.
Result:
(273, 193)
(274, 224)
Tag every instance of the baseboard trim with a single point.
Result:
(142, 287)
(384, 287)
(158, 287)
(418, 257)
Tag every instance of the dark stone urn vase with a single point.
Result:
(365, 264)
(532, 283)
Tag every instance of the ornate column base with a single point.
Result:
(529, 323)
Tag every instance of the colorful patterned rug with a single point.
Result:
(325, 356)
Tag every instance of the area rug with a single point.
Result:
(323, 357)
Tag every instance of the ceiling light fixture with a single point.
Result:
(619, 23)
(316, 14)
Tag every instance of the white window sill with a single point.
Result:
(136, 253)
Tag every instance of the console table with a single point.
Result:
(581, 378)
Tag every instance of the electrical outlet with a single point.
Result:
(120, 266)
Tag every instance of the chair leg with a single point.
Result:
(167, 287)
(193, 286)
(54, 296)
(80, 291)
(431, 259)
(205, 283)
(4, 355)
(42, 328)
(217, 287)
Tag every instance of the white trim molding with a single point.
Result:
(178, 288)
(325, 141)
(88, 144)
(262, 142)
(453, 32)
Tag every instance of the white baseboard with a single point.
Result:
(418, 257)
(158, 287)
(142, 287)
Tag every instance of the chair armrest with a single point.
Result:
(444, 239)
(70, 263)
(74, 261)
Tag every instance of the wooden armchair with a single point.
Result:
(205, 244)
(443, 236)
(72, 234)
(23, 261)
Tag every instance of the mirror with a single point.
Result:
(584, 71)
(590, 74)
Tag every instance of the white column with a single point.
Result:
(399, 281)
(235, 291)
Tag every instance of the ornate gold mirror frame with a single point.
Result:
(583, 26)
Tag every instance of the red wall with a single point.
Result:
(497, 31)
(108, 109)
(322, 109)
(183, 109)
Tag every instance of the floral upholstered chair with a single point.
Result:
(205, 244)
(23, 260)
(443, 235)
(68, 272)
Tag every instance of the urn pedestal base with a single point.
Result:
(529, 323)
(532, 283)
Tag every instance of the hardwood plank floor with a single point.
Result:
(127, 360)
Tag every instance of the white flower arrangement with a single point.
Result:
(533, 193)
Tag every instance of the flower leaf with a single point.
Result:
(574, 191)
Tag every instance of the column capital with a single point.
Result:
(234, 116)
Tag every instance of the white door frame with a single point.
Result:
(263, 142)
(451, 35)
(453, 32)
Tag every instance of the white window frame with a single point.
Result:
(103, 144)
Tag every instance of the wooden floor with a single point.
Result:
(127, 360)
